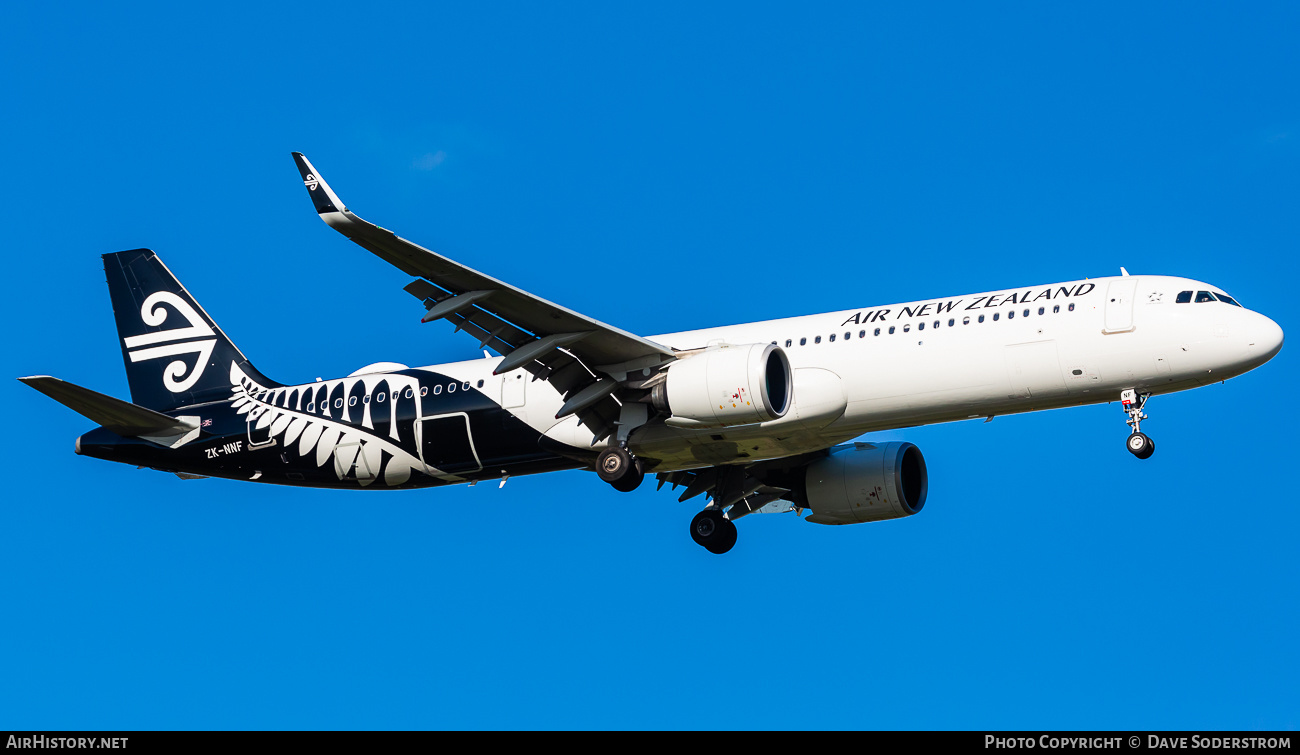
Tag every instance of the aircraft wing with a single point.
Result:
(584, 359)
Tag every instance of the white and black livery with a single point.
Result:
(757, 417)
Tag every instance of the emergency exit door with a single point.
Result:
(513, 385)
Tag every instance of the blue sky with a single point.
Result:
(660, 168)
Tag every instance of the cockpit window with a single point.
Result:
(1184, 297)
(1226, 299)
(1204, 296)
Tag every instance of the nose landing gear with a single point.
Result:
(1139, 444)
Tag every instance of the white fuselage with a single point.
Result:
(940, 360)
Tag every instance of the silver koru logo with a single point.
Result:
(310, 182)
(174, 341)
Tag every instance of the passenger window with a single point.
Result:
(803, 341)
(1203, 296)
(918, 327)
(863, 333)
(832, 339)
(995, 317)
(965, 320)
(408, 393)
(936, 323)
(951, 321)
(908, 327)
(437, 389)
(424, 391)
(338, 403)
(352, 401)
(480, 383)
(789, 343)
(451, 388)
(380, 397)
(1071, 306)
(365, 399)
(847, 336)
(877, 331)
(891, 330)
(1026, 312)
(818, 339)
(1041, 310)
(311, 407)
(981, 318)
(1183, 297)
(1010, 315)
(1056, 309)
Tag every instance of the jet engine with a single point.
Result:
(867, 482)
(725, 385)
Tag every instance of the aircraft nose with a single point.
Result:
(1265, 337)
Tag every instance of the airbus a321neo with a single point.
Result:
(756, 416)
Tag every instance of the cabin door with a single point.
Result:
(259, 428)
(1119, 304)
(446, 445)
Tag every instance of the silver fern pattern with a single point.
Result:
(350, 421)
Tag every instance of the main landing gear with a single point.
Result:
(619, 468)
(710, 528)
(1139, 444)
(714, 531)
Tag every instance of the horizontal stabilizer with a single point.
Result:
(122, 417)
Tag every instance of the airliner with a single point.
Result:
(758, 418)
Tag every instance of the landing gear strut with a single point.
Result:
(714, 531)
(619, 468)
(1139, 444)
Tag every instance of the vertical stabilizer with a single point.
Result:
(175, 355)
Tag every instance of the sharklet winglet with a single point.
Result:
(322, 196)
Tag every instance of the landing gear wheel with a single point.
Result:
(617, 467)
(713, 531)
(1138, 443)
(1141, 446)
(630, 481)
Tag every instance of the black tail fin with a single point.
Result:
(175, 355)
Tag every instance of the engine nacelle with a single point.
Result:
(725, 386)
(868, 483)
